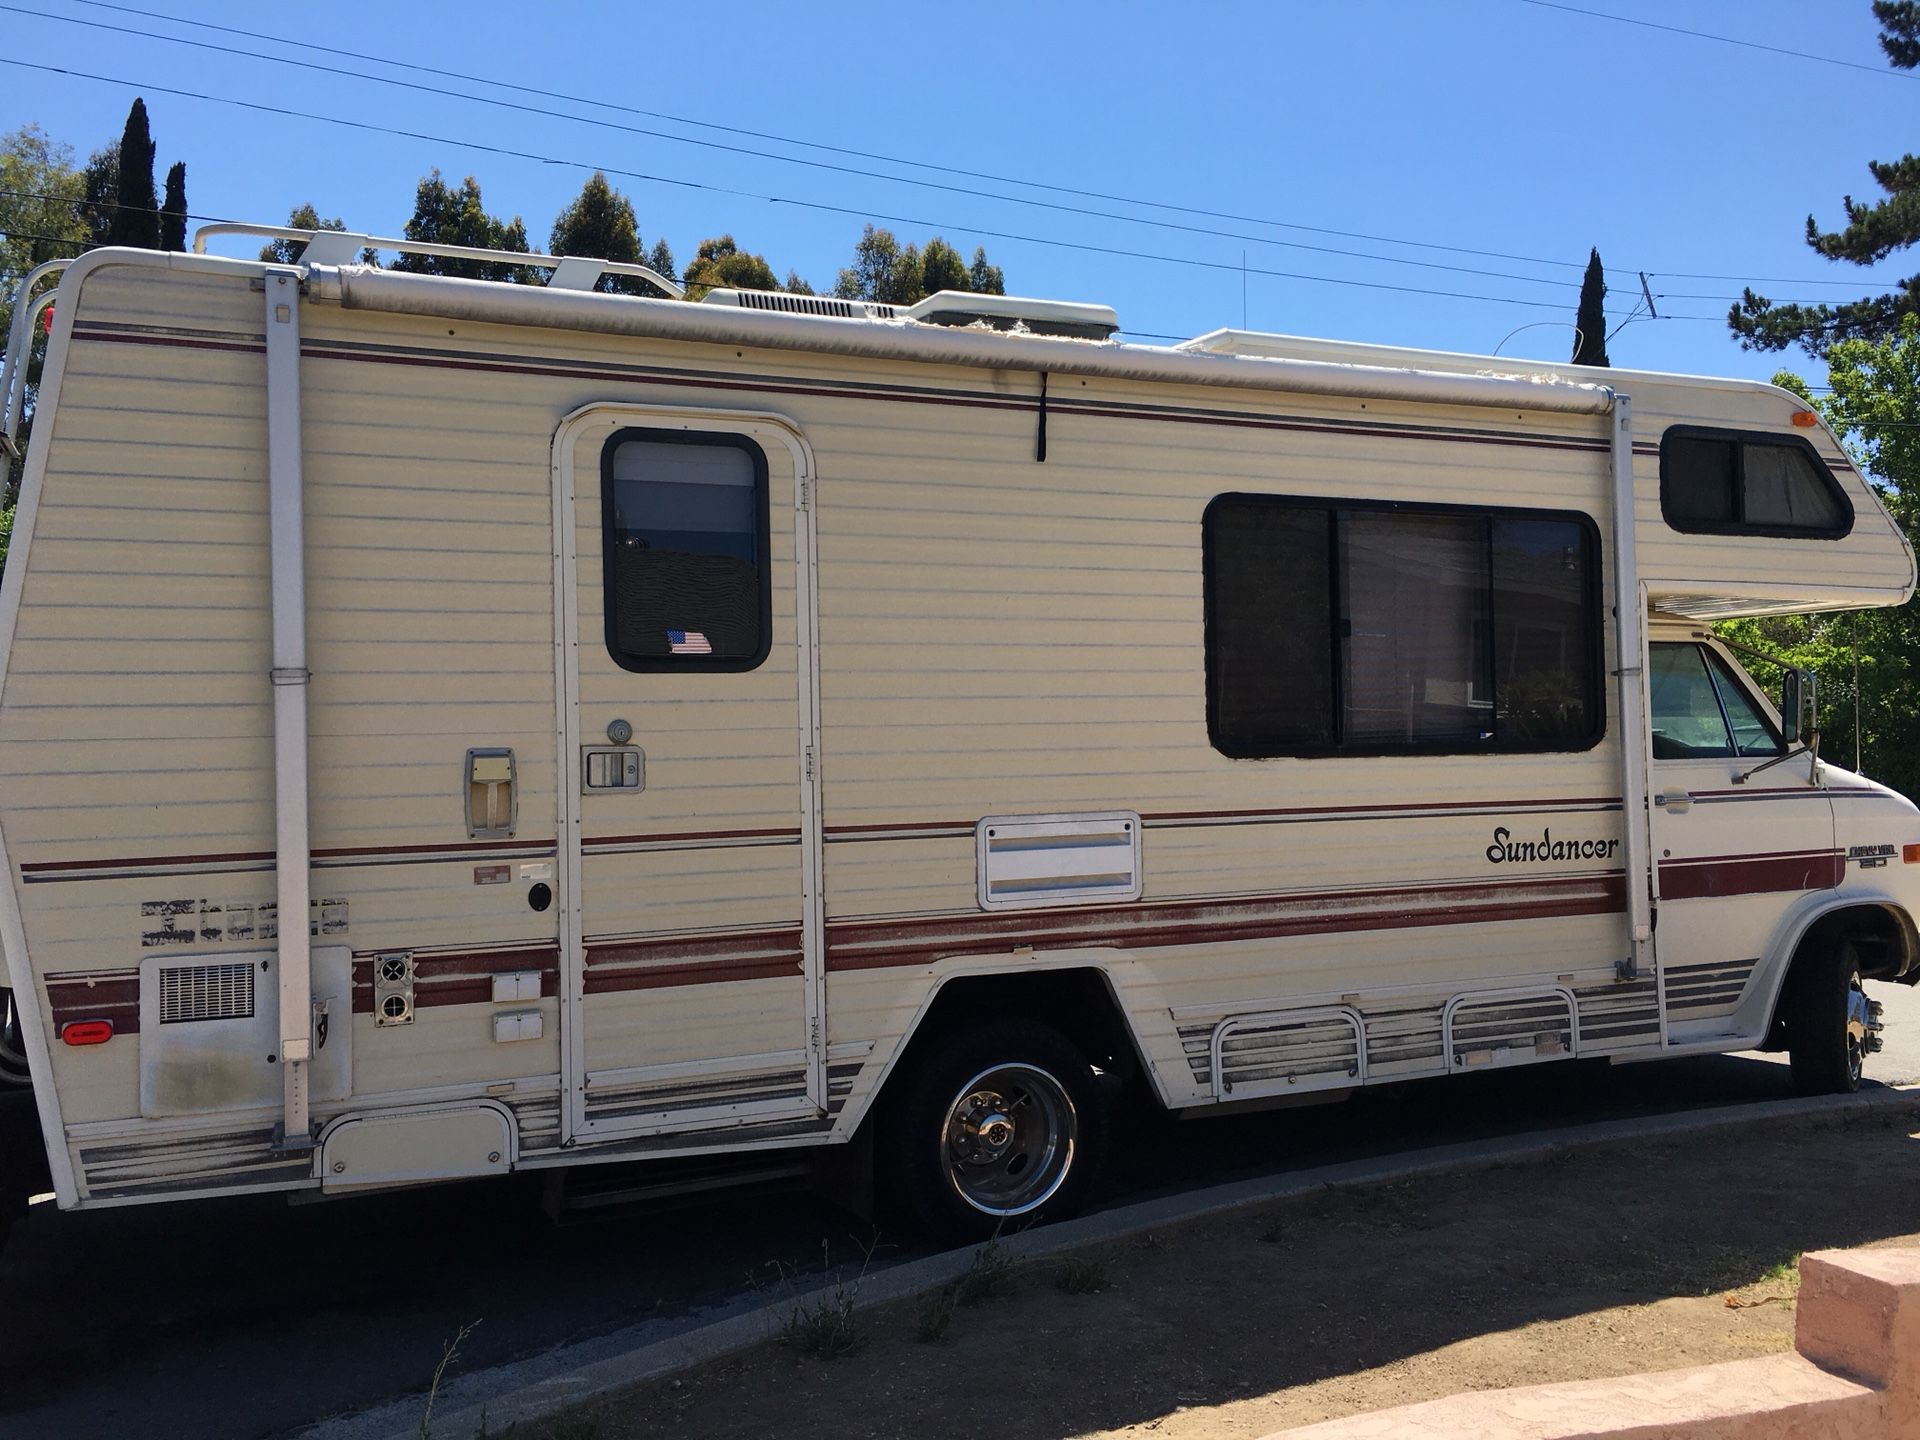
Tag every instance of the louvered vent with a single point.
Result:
(811, 305)
(206, 992)
(1294, 1050)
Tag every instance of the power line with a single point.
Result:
(817, 205)
(829, 166)
(1707, 35)
(810, 144)
(843, 150)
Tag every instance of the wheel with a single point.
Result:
(1831, 1025)
(999, 1126)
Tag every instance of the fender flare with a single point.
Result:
(1778, 957)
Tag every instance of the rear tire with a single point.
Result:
(1828, 1022)
(1000, 1126)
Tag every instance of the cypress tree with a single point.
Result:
(136, 217)
(1590, 343)
(173, 210)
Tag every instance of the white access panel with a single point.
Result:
(1053, 859)
(404, 1147)
(210, 1028)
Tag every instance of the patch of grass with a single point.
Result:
(1080, 1276)
(988, 1275)
(934, 1318)
(826, 1327)
(569, 1425)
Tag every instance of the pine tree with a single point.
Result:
(942, 268)
(445, 215)
(985, 279)
(173, 210)
(136, 212)
(660, 259)
(1590, 323)
(1873, 232)
(600, 223)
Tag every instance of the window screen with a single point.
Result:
(1727, 482)
(1368, 629)
(684, 546)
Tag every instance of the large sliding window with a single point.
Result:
(1371, 629)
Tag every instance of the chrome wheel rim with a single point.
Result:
(1008, 1139)
(1860, 1024)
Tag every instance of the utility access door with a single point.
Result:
(690, 897)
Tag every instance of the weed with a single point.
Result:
(572, 1425)
(935, 1316)
(1081, 1276)
(825, 1327)
(448, 1353)
(987, 1275)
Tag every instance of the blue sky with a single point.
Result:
(1488, 125)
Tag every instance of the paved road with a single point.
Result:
(248, 1317)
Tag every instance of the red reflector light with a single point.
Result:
(47, 323)
(1910, 854)
(87, 1032)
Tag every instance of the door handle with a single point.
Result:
(1677, 803)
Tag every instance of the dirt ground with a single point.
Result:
(1637, 1256)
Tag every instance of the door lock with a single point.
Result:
(1678, 803)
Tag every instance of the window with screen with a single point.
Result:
(1731, 482)
(1368, 629)
(684, 550)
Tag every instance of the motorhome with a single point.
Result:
(451, 727)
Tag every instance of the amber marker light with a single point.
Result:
(98, 1032)
(1805, 419)
(1910, 854)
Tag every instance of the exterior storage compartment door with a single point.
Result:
(689, 845)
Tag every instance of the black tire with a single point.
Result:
(943, 1117)
(1825, 1047)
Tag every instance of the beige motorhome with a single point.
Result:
(452, 727)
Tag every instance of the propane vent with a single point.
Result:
(206, 992)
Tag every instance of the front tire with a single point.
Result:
(1831, 1026)
(1001, 1125)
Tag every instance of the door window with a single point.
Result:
(684, 545)
(1700, 710)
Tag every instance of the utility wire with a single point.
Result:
(1707, 35)
(818, 145)
(834, 149)
(370, 127)
(829, 166)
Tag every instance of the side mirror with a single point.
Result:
(1791, 707)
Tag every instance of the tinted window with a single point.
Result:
(1371, 629)
(1269, 655)
(1753, 732)
(685, 550)
(1687, 720)
(1731, 482)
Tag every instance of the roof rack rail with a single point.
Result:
(343, 247)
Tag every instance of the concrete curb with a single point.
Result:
(574, 1374)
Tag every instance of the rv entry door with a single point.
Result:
(1732, 853)
(690, 905)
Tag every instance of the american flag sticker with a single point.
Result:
(688, 642)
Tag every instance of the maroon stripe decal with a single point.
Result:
(1717, 876)
(791, 832)
(862, 945)
(1165, 816)
(230, 857)
(459, 977)
(660, 977)
(454, 848)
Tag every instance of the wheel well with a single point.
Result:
(1079, 1003)
(1883, 937)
